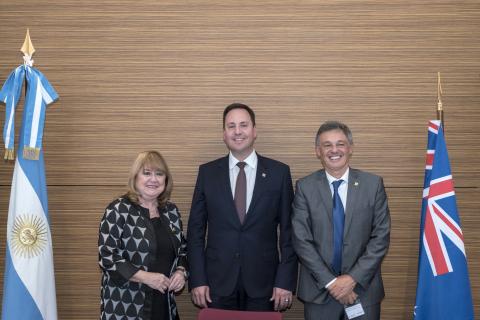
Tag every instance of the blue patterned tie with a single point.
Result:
(338, 223)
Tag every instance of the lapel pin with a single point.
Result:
(355, 183)
(264, 175)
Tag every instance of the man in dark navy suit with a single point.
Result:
(246, 261)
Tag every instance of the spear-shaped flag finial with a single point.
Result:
(439, 99)
(27, 47)
(28, 50)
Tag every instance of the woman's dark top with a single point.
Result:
(162, 263)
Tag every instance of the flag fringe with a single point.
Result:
(31, 153)
(9, 154)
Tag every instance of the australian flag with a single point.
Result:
(443, 287)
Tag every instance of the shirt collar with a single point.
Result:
(251, 160)
(332, 178)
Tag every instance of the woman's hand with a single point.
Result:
(177, 281)
(154, 280)
(158, 281)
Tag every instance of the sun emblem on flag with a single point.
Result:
(29, 236)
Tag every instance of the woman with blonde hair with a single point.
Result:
(142, 249)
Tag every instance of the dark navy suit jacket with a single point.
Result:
(260, 249)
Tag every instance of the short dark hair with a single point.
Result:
(334, 125)
(237, 105)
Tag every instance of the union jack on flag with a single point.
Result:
(443, 285)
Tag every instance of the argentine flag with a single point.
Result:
(29, 284)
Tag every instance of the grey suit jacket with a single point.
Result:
(365, 241)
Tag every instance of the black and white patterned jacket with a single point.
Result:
(126, 244)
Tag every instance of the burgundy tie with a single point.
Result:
(240, 197)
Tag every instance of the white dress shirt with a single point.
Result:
(342, 189)
(250, 173)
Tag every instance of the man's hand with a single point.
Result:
(342, 288)
(201, 295)
(282, 299)
(349, 299)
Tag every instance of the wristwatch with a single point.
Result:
(183, 270)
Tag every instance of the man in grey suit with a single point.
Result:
(341, 233)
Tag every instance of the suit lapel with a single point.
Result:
(325, 193)
(352, 198)
(224, 174)
(260, 183)
(226, 192)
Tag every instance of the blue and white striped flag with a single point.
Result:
(10, 95)
(29, 284)
(39, 94)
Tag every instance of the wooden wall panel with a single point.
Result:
(136, 75)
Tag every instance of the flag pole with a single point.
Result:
(439, 100)
(27, 49)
